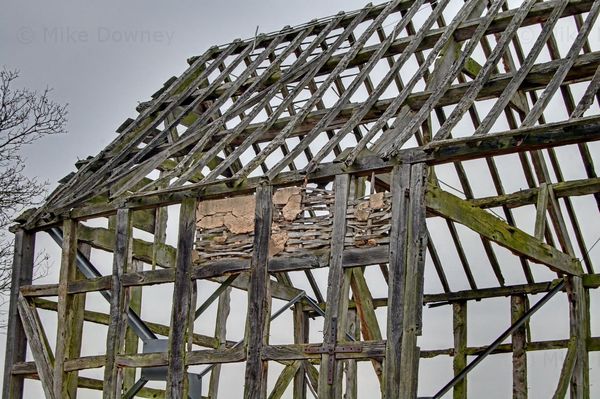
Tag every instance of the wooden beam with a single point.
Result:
(541, 208)
(16, 340)
(38, 343)
(259, 297)
(284, 379)
(301, 336)
(223, 309)
(566, 371)
(77, 320)
(65, 314)
(330, 388)
(529, 196)
(459, 360)
(350, 366)
(518, 305)
(116, 329)
(366, 313)
(131, 338)
(578, 326)
(437, 152)
(397, 276)
(487, 225)
(181, 309)
(416, 247)
(104, 319)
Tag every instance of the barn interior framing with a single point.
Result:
(438, 152)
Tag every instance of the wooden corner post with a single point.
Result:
(408, 243)
(16, 342)
(259, 298)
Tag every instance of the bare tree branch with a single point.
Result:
(25, 116)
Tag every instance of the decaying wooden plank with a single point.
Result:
(131, 338)
(259, 298)
(566, 371)
(518, 304)
(488, 225)
(39, 346)
(331, 387)
(116, 329)
(181, 308)
(301, 336)
(223, 309)
(579, 330)
(65, 312)
(284, 379)
(416, 244)
(397, 277)
(366, 313)
(459, 360)
(76, 326)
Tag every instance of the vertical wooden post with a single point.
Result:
(351, 366)
(220, 334)
(116, 329)
(408, 243)
(16, 342)
(65, 314)
(579, 331)
(459, 313)
(131, 338)
(182, 293)
(416, 244)
(395, 313)
(259, 298)
(518, 304)
(77, 320)
(335, 288)
(301, 331)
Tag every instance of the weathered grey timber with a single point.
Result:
(16, 342)
(259, 298)
(116, 329)
(353, 147)
(182, 309)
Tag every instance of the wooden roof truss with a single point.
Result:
(468, 115)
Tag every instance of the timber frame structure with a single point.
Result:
(326, 149)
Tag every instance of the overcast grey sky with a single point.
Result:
(104, 57)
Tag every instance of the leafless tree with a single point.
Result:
(25, 116)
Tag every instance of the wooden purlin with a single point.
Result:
(201, 119)
(466, 185)
(180, 90)
(539, 14)
(442, 87)
(227, 139)
(351, 89)
(398, 101)
(306, 108)
(484, 74)
(130, 129)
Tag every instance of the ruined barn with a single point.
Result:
(332, 189)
